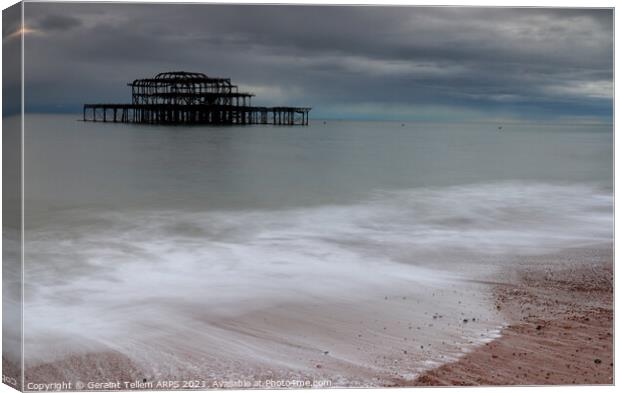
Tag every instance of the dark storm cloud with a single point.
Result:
(58, 22)
(405, 62)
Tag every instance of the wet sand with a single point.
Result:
(560, 331)
(379, 342)
(559, 317)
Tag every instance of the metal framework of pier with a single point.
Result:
(192, 98)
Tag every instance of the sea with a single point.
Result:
(344, 249)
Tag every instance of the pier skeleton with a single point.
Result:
(192, 98)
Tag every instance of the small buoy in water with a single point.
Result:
(402, 125)
(324, 122)
(499, 128)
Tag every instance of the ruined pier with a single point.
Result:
(192, 98)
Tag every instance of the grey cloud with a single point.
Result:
(54, 22)
(11, 60)
(11, 21)
(521, 60)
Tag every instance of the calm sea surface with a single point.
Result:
(230, 220)
(72, 164)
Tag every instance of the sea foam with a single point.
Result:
(176, 290)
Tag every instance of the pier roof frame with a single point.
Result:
(181, 87)
(180, 77)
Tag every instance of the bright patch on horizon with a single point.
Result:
(18, 33)
(591, 89)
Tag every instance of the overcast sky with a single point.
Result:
(407, 63)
